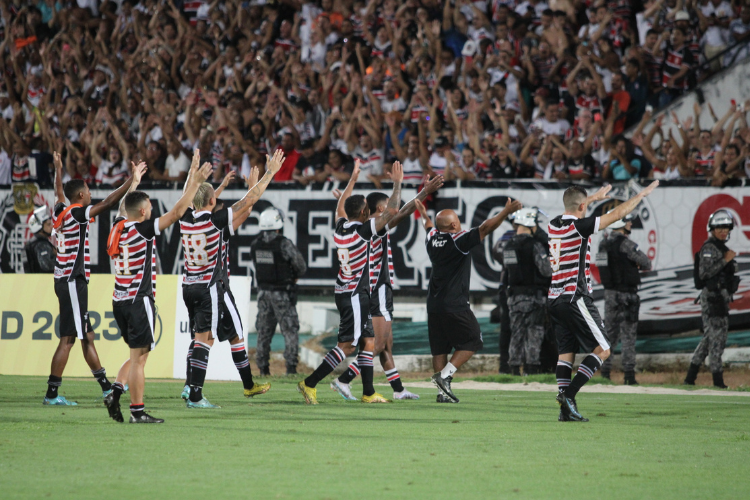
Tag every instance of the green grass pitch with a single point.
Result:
(491, 445)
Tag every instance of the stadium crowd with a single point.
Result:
(470, 90)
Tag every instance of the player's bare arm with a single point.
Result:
(112, 199)
(273, 165)
(138, 171)
(194, 163)
(340, 212)
(625, 208)
(423, 217)
(430, 187)
(196, 177)
(493, 223)
(397, 174)
(600, 195)
(225, 182)
(251, 180)
(59, 193)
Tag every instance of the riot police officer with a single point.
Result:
(40, 252)
(714, 274)
(278, 264)
(528, 279)
(620, 263)
(502, 301)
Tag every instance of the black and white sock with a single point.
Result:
(187, 361)
(117, 390)
(101, 376)
(366, 367)
(239, 356)
(586, 370)
(350, 373)
(563, 373)
(137, 410)
(198, 367)
(53, 384)
(395, 380)
(331, 361)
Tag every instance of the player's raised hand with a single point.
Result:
(252, 179)
(273, 163)
(397, 172)
(336, 193)
(420, 208)
(228, 178)
(650, 188)
(512, 207)
(195, 163)
(138, 171)
(355, 172)
(602, 193)
(432, 185)
(57, 160)
(204, 173)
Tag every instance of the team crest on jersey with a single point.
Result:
(23, 197)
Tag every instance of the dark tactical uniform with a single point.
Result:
(278, 264)
(502, 301)
(40, 255)
(720, 282)
(529, 271)
(619, 261)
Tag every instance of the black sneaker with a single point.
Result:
(630, 378)
(606, 375)
(291, 370)
(442, 398)
(145, 418)
(113, 407)
(444, 384)
(562, 417)
(569, 408)
(265, 372)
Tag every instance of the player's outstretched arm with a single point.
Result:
(397, 174)
(197, 176)
(59, 192)
(138, 171)
(225, 182)
(194, 164)
(340, 212)
(426, 222)
(430, 187)
(493, 223)
(600, 195)
(242, 207)
(112, 199)
(251, 180)
(625, 208)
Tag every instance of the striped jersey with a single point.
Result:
(352, 241)
(202, 245)
(135, 267)
(72, 237)
(380, 249)
(569, 255)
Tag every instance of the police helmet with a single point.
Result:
(271, 219)
(720, 218)
(526, 217)
(622, 222)
(37, 220)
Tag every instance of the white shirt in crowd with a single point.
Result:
(560, 127)
(716, 36)
(175, 166)
(397, 104)
(370, 163)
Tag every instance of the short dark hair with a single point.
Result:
(375, 199)
(574, 196)
(133, 201)
(73, 187)
(733, 146)
(353, 206)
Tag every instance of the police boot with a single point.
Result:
(719, 380)
(692, 374)
(504, 368)
(531, 369)
(515, 370)
(605, 374)
(264, 371)
(291, 369)
(630, 378)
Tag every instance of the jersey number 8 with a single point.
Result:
(554, 253)
(122, 263)
(195, 249)
(343, 254)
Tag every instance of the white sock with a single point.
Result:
(448, 371)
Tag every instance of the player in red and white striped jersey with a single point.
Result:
(576, 319)
(203, 287)
(71, 230)
(381, 295)
(132, 245)
(354, 232)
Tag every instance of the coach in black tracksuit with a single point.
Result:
(451, 324)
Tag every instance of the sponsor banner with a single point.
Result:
(670, 227)
(30, 325)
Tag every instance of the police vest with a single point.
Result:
(724, 279)
(616, 270)
(523, 275)
(272, 271)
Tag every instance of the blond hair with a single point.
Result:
(203, 196)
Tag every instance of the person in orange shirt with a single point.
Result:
(622, 98)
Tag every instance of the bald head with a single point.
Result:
(447, 221)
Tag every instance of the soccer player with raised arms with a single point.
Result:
(577, 321)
